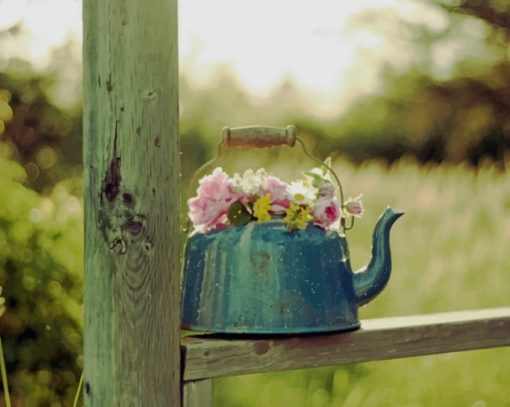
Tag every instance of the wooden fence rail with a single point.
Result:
(205, 357)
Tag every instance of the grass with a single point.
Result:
(5, 383)
(450, 253)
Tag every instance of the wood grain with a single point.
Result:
(131, 163)
(198, 393)
(378, 339)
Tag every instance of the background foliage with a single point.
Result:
(433, 140)
(40, 263)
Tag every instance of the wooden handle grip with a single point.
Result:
(259, 136)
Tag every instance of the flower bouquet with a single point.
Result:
(224, 201)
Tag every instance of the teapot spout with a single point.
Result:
(370, 280)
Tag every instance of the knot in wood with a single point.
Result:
(149, 95)
(261, 347)
(111, 183)
(134, 224)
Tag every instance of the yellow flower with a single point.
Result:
(297, 217)
(261, 207)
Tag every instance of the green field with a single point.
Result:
(450, 253)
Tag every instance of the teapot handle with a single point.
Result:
(259, 136)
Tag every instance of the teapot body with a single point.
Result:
(261, 278)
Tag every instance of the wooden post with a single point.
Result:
(131, 160)
(198, 393)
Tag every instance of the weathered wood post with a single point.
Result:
(131, 160)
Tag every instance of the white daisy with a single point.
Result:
(302, 193)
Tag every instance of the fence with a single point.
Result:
(204, 358)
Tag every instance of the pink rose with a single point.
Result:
(214, 186)
(280, 197)
(325, 212)
(215, 195)
(355, 207)
(207, 213)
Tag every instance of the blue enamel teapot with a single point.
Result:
(262, 278)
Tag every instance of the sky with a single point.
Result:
(315, 44)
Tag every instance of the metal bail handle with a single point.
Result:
(259, 136)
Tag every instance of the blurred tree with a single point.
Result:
(41, 276)
(45, 139)
(448, 100)
(5, 109)
(494, 12)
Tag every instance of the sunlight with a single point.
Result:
(45, 25)
(314, 45)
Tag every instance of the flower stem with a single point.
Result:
(78, 391)
(4, 376)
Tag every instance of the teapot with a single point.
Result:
(262, 278)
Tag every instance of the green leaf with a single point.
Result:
(317, 180)
(238, 214)
(327, 165)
